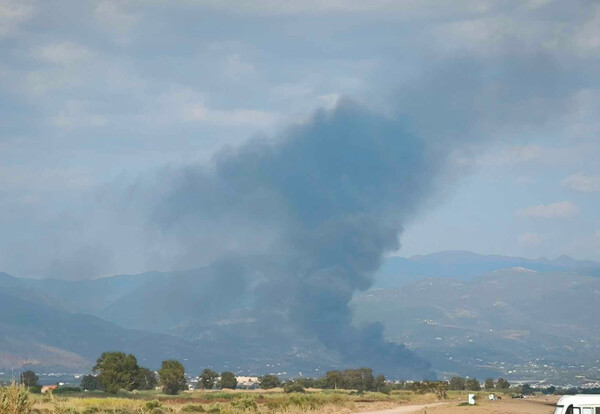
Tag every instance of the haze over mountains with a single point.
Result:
(462, 265)
(468, 314)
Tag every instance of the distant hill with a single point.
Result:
(36, 334)
(462, 265)
(468, 314)
(509, 322)
(36, 331)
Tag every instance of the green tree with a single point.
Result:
(380, 383)
(334, 380)
(502, 384)
(473, 385)
(269, 381)
(437, 387)
(117, 371)
(208, 379)
(29, 379)
(293, 386)
(146, 379)
(171, 377)
(489, 384)
(91, 383)
(359, 379)
(228, 380)
(527, 390)
(306, 382)
(457, 384)
(320, 383)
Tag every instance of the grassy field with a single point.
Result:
(228, 402)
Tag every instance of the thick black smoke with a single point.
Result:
(327, 201)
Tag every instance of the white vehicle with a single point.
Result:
(578, 404)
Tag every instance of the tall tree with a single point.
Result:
(146, 379)
(269, 381)
(489, 384)
(473, 385)
(171, 377)
(359, 379)
(457, 384)
(29, 379)
(208, 378)
(526, 389)
(228, 380)
(334, 380)
(380, 383)
(117, 371)
(91, 383)
(502, 384)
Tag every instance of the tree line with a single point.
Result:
(116, 371)
(361, 379)
(472, 384)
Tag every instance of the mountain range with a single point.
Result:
(468, 314)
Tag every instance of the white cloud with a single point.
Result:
(586, 152)
(582, 183)
(64, 53)
(405, 8)
(481, 35)
(292, 91)
(524, 180)
(200, 113)
(185, 104)
(530, 239)
(114, 19)
(42, 179)
(236, 68)
(75, 115)
(587, 38)
(562, 209)
(510, 155)
(330, 100)
(12, 13)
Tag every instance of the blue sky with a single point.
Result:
(96, 94)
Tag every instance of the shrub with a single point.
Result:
(150, 405)
(64, 390)
(293, 387)
(59, 407)
(245, 404)
(14, 399)
(277, 405)
(192, 408)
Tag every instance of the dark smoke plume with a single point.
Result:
(327, 200)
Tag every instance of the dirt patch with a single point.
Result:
(537, 405)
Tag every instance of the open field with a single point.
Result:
(533, 405)
(276, 401)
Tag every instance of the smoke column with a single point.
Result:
(330, 196)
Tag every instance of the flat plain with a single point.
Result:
(276, 401)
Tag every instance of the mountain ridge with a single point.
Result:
(205, 316)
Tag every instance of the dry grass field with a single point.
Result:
(533, 405)
(276, 401)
